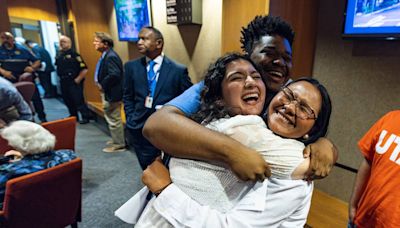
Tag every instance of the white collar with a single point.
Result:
(158, 60)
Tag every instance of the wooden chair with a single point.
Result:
(47, 198)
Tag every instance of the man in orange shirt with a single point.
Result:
(375, 201)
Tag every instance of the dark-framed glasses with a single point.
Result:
(303, 111)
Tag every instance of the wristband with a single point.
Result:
(159, 191)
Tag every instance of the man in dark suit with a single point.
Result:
(150, 82)
(46, 68)
(108, 77)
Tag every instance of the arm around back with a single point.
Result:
(169, 130)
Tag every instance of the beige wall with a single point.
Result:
(192, 45)
(363, 80)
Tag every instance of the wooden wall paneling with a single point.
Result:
(303, 16)
(235, 15)
(4, 18)
(33, 9)
(89, 16)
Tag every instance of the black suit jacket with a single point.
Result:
(172, 81)
(110, 76)
(44, 56)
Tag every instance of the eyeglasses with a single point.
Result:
(302, 111)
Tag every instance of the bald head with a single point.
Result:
(7, 39)
(65, 43)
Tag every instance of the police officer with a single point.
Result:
(16, 60)
(72, 70)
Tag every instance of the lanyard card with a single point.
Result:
(148, 103)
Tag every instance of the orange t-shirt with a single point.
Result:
(379, 205)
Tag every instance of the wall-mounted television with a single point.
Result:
(372, 19)
(131, 15)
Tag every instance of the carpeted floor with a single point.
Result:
(109, 179)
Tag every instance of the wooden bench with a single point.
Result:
(97, 107)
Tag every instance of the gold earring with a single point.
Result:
(305, 137)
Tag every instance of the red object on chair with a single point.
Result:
(47, 198)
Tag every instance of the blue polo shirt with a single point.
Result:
(189, 101)
(18, 52)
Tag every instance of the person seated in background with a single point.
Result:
(33, 151)
(12, 104)
(17, 61)
(232, 98)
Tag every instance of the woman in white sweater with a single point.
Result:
(232, 99)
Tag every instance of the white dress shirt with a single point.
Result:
(285, 204)
(229, 202)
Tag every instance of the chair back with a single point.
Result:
(26, 77)
(4, 147)
(47, 198)
(26, 89)
(64, 130)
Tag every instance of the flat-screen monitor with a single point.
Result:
(131, 15)
(372, 19)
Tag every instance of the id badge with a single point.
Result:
(148, 103)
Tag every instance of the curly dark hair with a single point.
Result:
(262, 26)
(211, 105)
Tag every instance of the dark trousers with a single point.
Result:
(38, 104)
(45, 81)
(145, 151)
(72, 95)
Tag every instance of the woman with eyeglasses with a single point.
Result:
(232, 99)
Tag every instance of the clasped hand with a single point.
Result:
(156, 176)
(323, 155)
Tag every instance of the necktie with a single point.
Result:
(151, 77)
(96, 73)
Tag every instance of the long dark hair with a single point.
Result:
(211, 104)
(321, 124)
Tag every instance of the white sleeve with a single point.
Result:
(182, 211)
(299, 217)
(285, 204)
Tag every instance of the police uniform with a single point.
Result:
(69, 65)
(19, 52)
